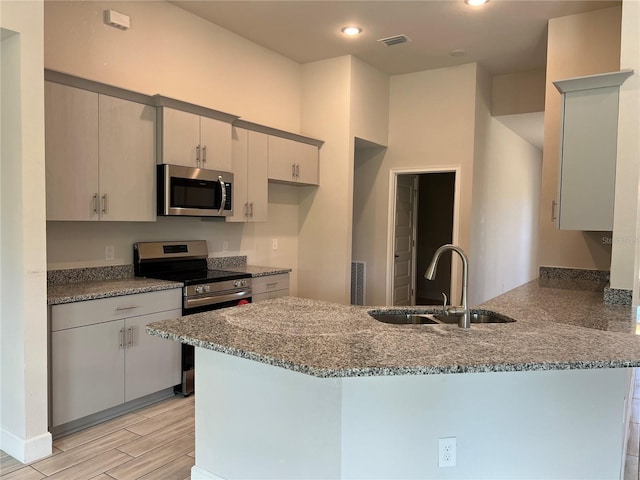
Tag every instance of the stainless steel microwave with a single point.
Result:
(195, 192)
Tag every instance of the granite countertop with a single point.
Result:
(258, 271)
(91, 290)
(77, 285)
(558, 327)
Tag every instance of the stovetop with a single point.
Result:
(195, 277)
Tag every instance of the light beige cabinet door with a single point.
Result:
(250, 185)
(215, 144)
(151, 363)
(87, 370)
(71, 153)
(127, 160)
(270, 286)
(258, 185)
(307, 166)
(178, 137)
(292, 162)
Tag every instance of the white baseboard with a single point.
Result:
(26, 451)
(199, 474)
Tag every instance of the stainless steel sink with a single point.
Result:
(476, 317)
(402, 318)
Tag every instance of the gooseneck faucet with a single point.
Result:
(430, 274)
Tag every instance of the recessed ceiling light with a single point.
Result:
(456, 53)
(475, 3)
(351, 31)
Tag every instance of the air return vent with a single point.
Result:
(357, 283)
(395, 40)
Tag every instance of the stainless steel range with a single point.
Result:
(204, 289)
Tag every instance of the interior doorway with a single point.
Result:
(423, 220)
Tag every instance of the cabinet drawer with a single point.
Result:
(78, 314)
(270, 283)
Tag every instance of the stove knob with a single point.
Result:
(244, 283)
(198, 289)
(237, 283)
(206, 288)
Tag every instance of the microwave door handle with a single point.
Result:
(223, 200)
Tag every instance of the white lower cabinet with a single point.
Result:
(269, 286)
(101, 356)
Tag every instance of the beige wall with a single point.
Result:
(506, 195)
(517, 93)
(23, 303)
(369, 103)
(325, 212)
(174, 53)
(578, 45)
(625, 238)
(422, 108)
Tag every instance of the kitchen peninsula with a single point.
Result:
(299, 389)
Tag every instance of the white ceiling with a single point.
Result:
(504, 36)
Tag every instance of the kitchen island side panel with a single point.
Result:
(560, 424)
(262, 422)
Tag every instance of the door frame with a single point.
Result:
(393, 181)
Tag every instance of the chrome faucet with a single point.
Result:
(430, 274)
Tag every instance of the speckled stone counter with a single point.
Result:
(91, 290)
(258, 271)
(558, 326)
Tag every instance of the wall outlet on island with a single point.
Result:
(275, 243)
(447, 452)
(109, 253)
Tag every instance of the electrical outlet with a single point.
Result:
(225, 246)
(109, 253)
(447, 452)
(275, 243)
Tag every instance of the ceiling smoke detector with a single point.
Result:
(395, 40)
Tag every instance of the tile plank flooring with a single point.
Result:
(154, 443)
(157, 443)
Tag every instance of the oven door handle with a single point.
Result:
(214, 299)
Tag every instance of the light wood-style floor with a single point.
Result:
(154, 443)
(157, 443)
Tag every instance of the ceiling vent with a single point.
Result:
(395, 40)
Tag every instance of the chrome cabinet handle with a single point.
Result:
(95, 203)
(197, 155)
(121, 334)
(297, 170)
(293, 170)
(104, 203)
(129, 337)
(127, 307)
(554, 204)
(246, 209)
(204, 155)
(251, 209)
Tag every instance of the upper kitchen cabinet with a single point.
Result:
(293, 161)
(100, 156)
(588, 151)
(193, 136)
(250, 189)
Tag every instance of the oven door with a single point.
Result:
(187, 385)
(197, 192)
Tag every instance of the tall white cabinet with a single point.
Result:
(99, 156)
(588, 151)
(250, 188)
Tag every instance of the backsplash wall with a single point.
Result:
(82, 244)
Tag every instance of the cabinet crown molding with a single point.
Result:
(601, 80)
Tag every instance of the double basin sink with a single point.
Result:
(402, 317)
